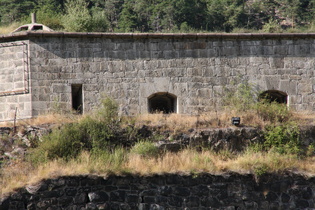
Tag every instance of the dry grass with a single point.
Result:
(304, 117)
(178, 122)
(10, 28)
(186, 161)
(51, 119)
(45, 119)
(20, 174)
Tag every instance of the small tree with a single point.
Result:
(241, 98)
(77, 17)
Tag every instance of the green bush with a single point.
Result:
(108, 111)
(79, 18)
(88, 134)
(243, 98)
(145, 149)
(273, 112)
(284, 138)
(65, 143)
(50, 15)
(99, 21)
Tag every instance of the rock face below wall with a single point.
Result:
(234, 139)
(170, 191)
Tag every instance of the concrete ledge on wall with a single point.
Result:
(159, 35)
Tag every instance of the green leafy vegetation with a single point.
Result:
(164, 16)
(145, 149)
(99, 132)
(273, 111)
(281, 132)
(245, 98)
(242, 98)
(283, 138)
(102, 132)
(105, 143)
(79, 18)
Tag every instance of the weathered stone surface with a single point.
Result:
(230, 191)
(98, 196)
(32, 189)
(81, 198)
(132, 68)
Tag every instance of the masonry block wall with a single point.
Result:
(169, 191)
(194, 68)
(14, 80)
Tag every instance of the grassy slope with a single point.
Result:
(20, 173)
(186, 161)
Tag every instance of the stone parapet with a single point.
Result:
(28, 34)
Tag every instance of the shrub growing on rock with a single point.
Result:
(283, 138)
(92, 133)
(273, 112)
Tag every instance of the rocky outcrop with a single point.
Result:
(15, 141)
(169, 191)
(234, 139)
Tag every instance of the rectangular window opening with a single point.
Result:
(77, 98)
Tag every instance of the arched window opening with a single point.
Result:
(162, 102)
(275, 96)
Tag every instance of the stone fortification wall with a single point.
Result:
(201, 191)
(193, 68)
(14, 80)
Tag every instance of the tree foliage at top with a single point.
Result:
(162, 15)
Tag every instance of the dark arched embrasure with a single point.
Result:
(274, 96)
(162, 102)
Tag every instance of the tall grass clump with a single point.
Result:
(145, 149)
(6, 29)
(109, 161)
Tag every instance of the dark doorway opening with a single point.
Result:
(274, 96)
(77, 99)
(162, 102)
